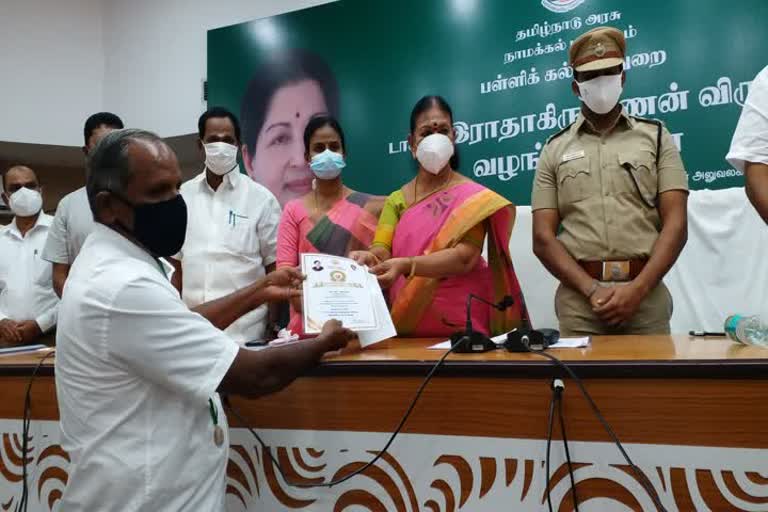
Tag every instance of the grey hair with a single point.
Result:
(109, 167)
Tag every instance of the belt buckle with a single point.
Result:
(616, 271)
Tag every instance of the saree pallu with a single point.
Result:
(348, 226)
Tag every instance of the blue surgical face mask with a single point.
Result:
(327, 165)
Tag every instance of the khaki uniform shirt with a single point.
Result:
(588, 178)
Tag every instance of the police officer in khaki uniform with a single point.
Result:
(609, 203)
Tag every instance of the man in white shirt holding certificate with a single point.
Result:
(137, 372)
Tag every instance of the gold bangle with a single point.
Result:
(413, 267)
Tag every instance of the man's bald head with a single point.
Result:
(19, 172)
(135, 166)
(109, 164)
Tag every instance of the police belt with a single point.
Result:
(614, 270)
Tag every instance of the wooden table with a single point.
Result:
(689, 411)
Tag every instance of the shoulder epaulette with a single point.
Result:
(646, 120)
(659, 125)
(553, 137)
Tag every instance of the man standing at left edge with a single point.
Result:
(28, 305)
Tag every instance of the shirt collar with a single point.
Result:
(123, 245)
(231, 179)
(628, 118)
(582, 123)
(43, 221)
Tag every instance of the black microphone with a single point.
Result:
(506, 302)
(471, 341)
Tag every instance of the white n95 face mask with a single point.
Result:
(601, 94)
(434, 152)
(220, 157)
(25, 202)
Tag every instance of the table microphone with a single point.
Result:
(470, 341)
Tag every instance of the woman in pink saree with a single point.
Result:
(430, 236)
(332, 219)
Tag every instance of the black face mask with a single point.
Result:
(160, 227)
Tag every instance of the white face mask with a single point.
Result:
(220, 157)
(601, 94)
(25, 202)
(434, 152)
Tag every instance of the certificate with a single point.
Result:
(337, 289)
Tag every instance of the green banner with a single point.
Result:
(502, 66)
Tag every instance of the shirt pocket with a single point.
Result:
(240, 239)
(638, 176)
(42, 271)
(575, 181)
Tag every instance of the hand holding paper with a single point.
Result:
(339, 288)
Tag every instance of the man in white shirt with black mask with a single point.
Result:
(232, 231)
(28, 303)
(137, 371)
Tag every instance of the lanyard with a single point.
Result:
(160, 266)
(214, 412)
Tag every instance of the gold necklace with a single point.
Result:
(431, 192)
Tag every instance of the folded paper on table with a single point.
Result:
(572, 342)
(23, 349)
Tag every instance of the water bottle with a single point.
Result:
(748, 330)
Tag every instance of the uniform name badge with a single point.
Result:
(573, 155)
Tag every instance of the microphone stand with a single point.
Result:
(471, 341)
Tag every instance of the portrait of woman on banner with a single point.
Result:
(286, 91)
